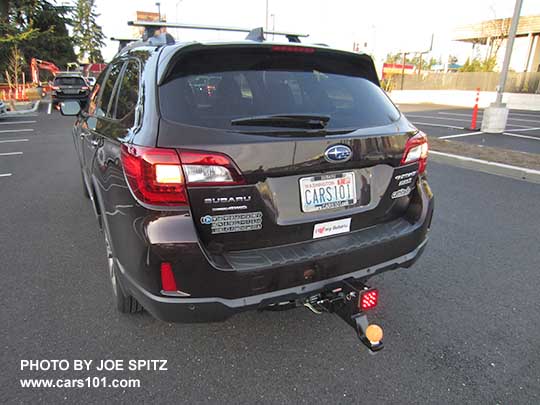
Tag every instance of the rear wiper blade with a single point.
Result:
(284, 120)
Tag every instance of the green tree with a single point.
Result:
(87, 33)
(478, 65)
(37, 29)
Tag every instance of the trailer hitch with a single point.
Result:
(350, 300)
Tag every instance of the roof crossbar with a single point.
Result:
(256, 34)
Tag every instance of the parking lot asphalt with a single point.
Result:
(522, 131)
(461, 326)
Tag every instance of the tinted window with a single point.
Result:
(69, 81)
(211, 89)
(128, 94)
(108, 89)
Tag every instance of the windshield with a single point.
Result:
(69, 81)
(253, 85)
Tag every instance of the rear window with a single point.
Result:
(69, 81)
(210, 89)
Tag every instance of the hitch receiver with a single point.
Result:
(344, 301)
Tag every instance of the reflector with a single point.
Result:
(168, 283)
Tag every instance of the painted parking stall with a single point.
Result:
(522, 132)
(12, 130)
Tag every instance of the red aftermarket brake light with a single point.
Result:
(416, 150)
(159, 176)
(369, 299)
(154, 175)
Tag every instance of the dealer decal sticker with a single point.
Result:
(249, 221)
(332, 228)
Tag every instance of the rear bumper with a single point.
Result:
(63, 97)
(215, 309)
(356, 255)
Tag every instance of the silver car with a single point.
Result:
(3, 109)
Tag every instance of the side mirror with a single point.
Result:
(70, 108)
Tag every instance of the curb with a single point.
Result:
(486, 166)
(22, 112)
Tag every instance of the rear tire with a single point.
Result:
(124, 303)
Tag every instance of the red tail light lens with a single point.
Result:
(369, 299)
(55, 87)
(154, 175)
(168, 283)
(209, 169)
(416, 150)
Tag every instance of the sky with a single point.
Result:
(384, 25)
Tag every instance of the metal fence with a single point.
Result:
(486, 81)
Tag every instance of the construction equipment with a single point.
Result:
(37, 64)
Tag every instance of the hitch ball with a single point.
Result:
(374, 334)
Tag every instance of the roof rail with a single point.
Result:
(256, 34)
(123, 42)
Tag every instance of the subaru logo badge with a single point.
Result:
(338, 154)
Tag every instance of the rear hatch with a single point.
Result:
(313, 142)
(70, 85)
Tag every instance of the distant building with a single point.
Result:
(490, 38)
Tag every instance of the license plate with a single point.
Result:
(328, 191)
(71, 91)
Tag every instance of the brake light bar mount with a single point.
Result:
(344, 301)
(256, 34)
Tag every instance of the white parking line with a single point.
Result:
(486, 162)
(49, 109)
(522, 136)
(5, 175)
(13, 140)
(17, 122)
(17, 130)
(435, 118)
(436, 125)
(10, 153)
(510, 114)
(463, 120)
(457, 114)
(460, 135)
(523, 130)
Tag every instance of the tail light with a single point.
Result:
(209, 169)
(368, 299)
(416, 150)
(159, 176)
(55, 87)
(154, 175)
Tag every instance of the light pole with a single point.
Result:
(496, 115)
(273, 16)
(266, 20)
(177, 3)
(158, 4)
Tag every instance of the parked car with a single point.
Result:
(3, 109)
(291, 183)
(91, 81)
(69, 86)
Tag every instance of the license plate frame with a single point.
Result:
(318, 200)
